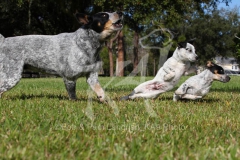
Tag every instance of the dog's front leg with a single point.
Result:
(92, 80)
(170, 74)
(71, 88)
(180, 92)
(191, 97)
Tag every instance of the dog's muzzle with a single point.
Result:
(118, 24)
(227, 79)
(193, 59)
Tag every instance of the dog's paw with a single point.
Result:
(176, 97)
(102, 99)
(198, 97)
(168, 77)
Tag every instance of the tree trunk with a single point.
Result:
(110, 54)
(135, 52)
(120, 58)
(29, 15)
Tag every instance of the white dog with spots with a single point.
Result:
(196, 87)
(168, 75)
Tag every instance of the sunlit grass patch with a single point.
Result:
(38, 121)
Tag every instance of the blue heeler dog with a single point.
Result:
(69, 55)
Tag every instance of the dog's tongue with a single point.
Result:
(118, 23)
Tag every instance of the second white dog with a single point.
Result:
(196, 87)
(168, 75)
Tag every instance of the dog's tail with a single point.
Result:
(124, 98)
(1, 39)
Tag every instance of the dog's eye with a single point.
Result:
(188, 49)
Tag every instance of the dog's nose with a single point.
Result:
(119, 13)
(228, 79)
(196, 57)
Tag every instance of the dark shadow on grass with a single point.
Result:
(207, 100)
(233, 89)
(203, 100)
(50, 96)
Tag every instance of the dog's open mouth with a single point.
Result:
(118, 24)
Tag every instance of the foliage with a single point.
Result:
(193, 18)
(46, 17)
(237, 47)
(39, 122)
(214, 33)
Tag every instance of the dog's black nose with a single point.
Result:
(119, 13)
(196, 57)
(228, 79)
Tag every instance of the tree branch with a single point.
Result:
(236, 36)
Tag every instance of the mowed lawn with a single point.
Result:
(37, 121)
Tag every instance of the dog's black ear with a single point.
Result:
(191, 41)
(182, 45)
(82, 18)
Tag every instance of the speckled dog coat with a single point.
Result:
(68, 55)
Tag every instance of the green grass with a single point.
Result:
(37, 121)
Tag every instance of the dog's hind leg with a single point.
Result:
(182, 89)
(92, 80)
(149, 94)
(71, 88)
(180, 92)
(10, 74)
(124, 98)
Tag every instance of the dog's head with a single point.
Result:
(186, 52)
(218, 72)
(104, 23)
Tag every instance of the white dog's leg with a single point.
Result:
(180, 92)
(176, 97)
(149, 89)
(182, 89)
(185, 96)
(150, 94)
(170, 74)
(190, 96)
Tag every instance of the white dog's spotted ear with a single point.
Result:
(82, 18)
(209, 64)
(184, 44)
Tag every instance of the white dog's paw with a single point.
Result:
(176, 98)
(168, 77)
(198, 97)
